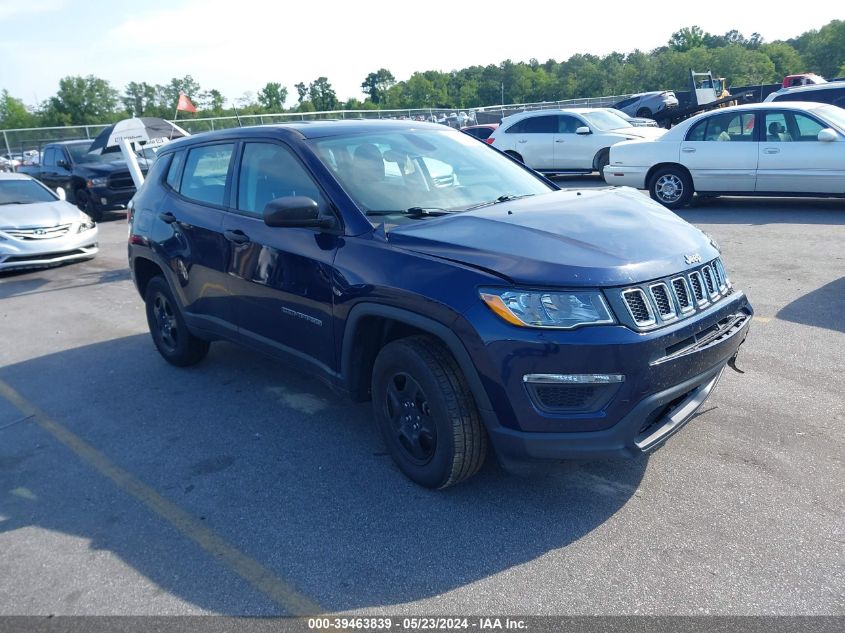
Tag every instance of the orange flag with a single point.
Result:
(185, 104)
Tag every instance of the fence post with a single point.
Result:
(6, 140)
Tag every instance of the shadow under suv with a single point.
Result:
(469, 298)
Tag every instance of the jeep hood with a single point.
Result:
(591, 237)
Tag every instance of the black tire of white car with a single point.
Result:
(167, 326)
(602, 161)
(426, 414)
(671, 186)
(515, 156)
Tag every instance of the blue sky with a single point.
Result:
(237, 46)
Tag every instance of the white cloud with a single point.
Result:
(15, 8)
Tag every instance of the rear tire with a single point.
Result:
(426, 413)
(170, 333)
(671, 186)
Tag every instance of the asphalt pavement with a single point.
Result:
(130, 487)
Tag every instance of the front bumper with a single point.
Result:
(18, 254)
(109, 199)
(668, 373)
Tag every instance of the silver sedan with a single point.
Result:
(38, 229)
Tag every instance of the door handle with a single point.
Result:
(688, 150)
(167, 217)
(771, 150)
(522, 141)
(560, 140)
(238, 237)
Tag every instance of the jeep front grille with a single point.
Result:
(661, 301)
(639, 307)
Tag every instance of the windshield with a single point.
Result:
(24, 192)
(834, 115)
(604, 120)
(394, 172)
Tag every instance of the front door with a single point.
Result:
(281, 278)
(720, 152)
(793, 159)
(574, 151)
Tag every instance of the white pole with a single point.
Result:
(132, 163)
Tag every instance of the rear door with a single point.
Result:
(533, 138)
(792, 159)
(721, 150)
(49, 167)
(281, 278)
(189, 234)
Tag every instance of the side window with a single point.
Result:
(567, 124)
(541, 125)
(730, 126)
(517, 128)
(50, 157)
(270, 171)
(206, 167)
(175, 170)
(157, 169)
(625, 103)
(808, 129)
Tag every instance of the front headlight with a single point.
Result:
(85, 225)
(546, 309)
(98, 182)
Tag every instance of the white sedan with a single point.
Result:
(39, 229)
(776, 149)
(576, 140)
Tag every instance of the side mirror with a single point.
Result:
(827, 135)
(296, 212)
(63, 163)
(583, 130)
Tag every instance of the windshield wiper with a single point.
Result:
(414, 212)
(503, 198)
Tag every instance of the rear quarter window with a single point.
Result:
(206, 170)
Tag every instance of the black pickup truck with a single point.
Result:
(96, 183)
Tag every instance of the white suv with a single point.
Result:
(566, 141)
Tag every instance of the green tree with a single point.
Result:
(168, 95)
(82, 100)
(687, 38)
(825, 49)
(301, 92)
(211, 101)
(13, 113)
(376, 85)
(322, 95)
(139, 99)
(786, 59)
(272, 97)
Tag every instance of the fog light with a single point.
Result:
(104, 201)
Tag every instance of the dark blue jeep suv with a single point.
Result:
(469, 298)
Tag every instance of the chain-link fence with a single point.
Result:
(27, 142)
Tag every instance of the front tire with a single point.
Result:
(671, 187)
(602, 161)
(515, 156)
(87, 205)
(426, 413)
(644, 113)
(170, 333)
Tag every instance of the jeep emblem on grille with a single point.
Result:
(695, 258)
